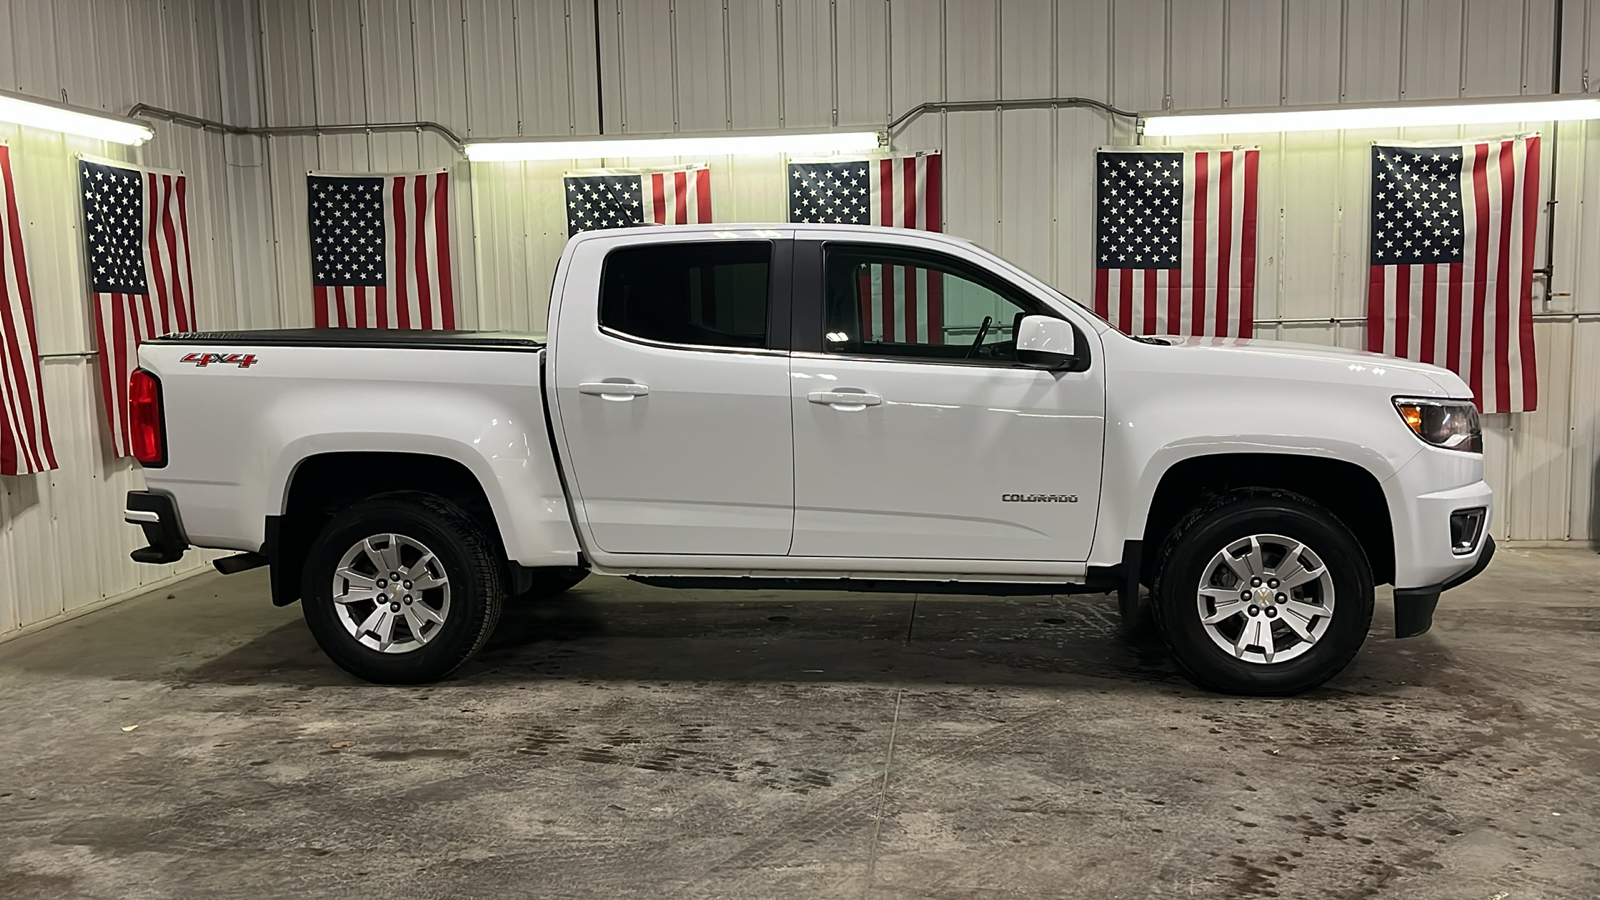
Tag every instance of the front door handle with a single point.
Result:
(614, 390)
(845, 401)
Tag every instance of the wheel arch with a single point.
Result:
(1350, 492)
(320, 485)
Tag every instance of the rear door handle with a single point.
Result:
(614, 390)
(846, 401)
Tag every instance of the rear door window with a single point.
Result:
(711, 294)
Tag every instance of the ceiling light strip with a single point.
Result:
(1550, 108)
(793, 143)
(19, 109)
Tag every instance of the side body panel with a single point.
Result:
(236, 435)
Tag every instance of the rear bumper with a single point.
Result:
(1413, 607)
(157, 514)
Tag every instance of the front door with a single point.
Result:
(917, 434)
(674, 410)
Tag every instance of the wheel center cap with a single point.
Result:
(1265, 596)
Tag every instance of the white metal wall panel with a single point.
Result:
(1431, 57)
(389, 82)
(1252, 62)
(544, 76)
(1194, 63)
(1314, 50)
(1371, 51)
(861, 35)
(752, 47)
(490, 52)
(808, 78)
(702, 65)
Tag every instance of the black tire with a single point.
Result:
(469, 560)
(1187, 558)
(550, 583)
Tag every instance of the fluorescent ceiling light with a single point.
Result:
(34, 113)
(1550, 108)
(795, 143)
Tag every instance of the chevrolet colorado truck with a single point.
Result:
(814, 406)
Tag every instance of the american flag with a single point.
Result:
(136, 236)
(24, 433)
(1175, 241)
(380, 251)
(623, 198)
(1452, 240)
(898, 303)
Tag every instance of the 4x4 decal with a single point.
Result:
(242, 360)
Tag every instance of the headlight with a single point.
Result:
(1451, 424)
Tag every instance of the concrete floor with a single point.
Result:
(634, 742)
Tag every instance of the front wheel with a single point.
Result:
(402, 588)
(1263, 593)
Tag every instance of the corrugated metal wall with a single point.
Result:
(1016, 182)
(63, 545)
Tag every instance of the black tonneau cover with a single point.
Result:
(378, 338)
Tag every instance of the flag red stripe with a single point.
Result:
(1198, 295)
(1125, 300)
(933, 184)
(1502, 305)
(117, 388)
(1480, 274)
(1247, 249)
(935, 306)
(1150, 301)
(1452, 344)
(680, 190)
(908, 199)
(156, 270)
(1375, 311)
(398, 244)
(890, 334)
(1224, 237)
(1530, 229)
(319, 308)
(186, 312)
(169, 233)
(1102, 293)
(1430, 311)
(865, 288)
(702, 182)
(1402, 310)
(32, 437)
(441, 240)
(658, 196)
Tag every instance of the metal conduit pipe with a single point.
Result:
(991, 105)
(144, 109)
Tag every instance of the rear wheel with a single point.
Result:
(402, 588)
(1263, 593)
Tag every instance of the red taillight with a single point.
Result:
(146, 431)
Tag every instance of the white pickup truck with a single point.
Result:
(814, 406)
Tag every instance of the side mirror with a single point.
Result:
(1044, 342)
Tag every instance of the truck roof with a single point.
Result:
(754, 229)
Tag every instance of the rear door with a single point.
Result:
(671, 376)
